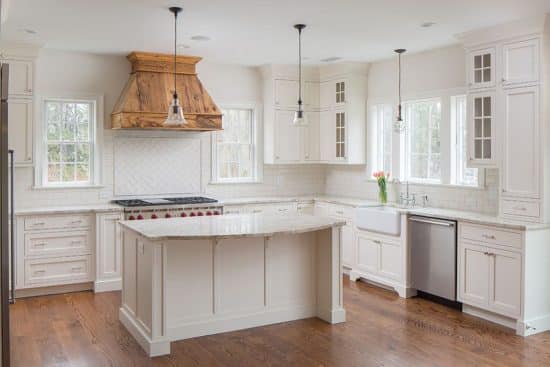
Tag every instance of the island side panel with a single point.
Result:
(329, 276)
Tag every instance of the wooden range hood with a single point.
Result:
(144, 101)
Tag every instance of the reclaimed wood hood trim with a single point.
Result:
(144, 101)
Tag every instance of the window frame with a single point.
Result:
(447, 136)
(95, 141)
(256, 135)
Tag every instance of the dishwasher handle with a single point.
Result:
(432, 221)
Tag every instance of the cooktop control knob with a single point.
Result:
(209, 213)
(154, 216)
(168, 215)
(216, 212)
(200, 214)
(192, 214)
(131, 217)
(140, 217)
(183, 215)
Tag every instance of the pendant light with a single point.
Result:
(299, 115)
(175, 112)
(399, 124)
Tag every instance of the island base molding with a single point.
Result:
(179, 289)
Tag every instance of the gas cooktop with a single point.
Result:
(189, 200)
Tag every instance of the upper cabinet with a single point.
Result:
(20, 106)
(481, 129)
(334, 103)
(481, 68)
(520, 62)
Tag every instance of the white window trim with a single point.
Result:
(398, 149)
(257, 156)
(41, 153)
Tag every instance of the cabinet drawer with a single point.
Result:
(58, 271)
(491, 235)
(342, 211)
(521, 208)
(54, 243)
(57, 222)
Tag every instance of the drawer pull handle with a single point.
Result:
(76, 242)
(339, 212)
(522, 208)
(39, 272)
(491, 237)
(377, 242)
(75, 268)
(38, 223)
(40, 244)
(256, 211)
(76, 221)
(282, 210)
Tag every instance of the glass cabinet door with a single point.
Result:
(340, 134)
(481, 128)
(340, 93)
(482, 68)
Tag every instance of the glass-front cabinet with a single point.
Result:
(481, 129)
(340, 134)
(481, 68)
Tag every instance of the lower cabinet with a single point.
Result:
(379, 258)
(108, 252)
(489, 277)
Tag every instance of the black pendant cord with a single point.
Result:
(175, 50)
(300, 69)
(399, 51)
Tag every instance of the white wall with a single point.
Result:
(422, 74)
(63, 73)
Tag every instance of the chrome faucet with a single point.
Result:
(408, 199)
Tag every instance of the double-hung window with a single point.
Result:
(423, 141)
(381, 128)
(69, 142)
(234, 149)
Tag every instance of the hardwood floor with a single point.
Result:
(82, 329)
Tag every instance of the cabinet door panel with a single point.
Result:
(287, 143)
(481, 119)
(109, 263)
(481, 68)
(326, 95)
(367, 254)
(311, 95)
(390, 260)
(473, 275)
(348, 246)
(286, 93)
(20, 130)
(328, 136)
(311, 134)
(505, 282)
(521, 143)
(520, 62)
(20, 80)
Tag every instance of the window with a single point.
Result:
(382, 123)
(463, 175)
(68, 142)
(423, 141)
(234, 148)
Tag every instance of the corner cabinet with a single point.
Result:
(481, 129)
(335, 110)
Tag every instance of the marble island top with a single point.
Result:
(226, 226)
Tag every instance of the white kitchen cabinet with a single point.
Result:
(20, 130)
(481, 129)
(108, 252)
(505, 282)
(311, 95)
(480, 66)
(348, 245)
(342, 137)
(345, 213)
(311, 137)
(380, 258)
(286, 93)
(305, 208)
(20, 78)
(521, 149)
(473, 275)
(520, 62)
(287, 138)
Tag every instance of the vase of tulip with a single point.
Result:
(382, 179)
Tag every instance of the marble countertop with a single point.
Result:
(91, 208)
(228, 226)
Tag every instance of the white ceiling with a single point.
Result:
(254, 32)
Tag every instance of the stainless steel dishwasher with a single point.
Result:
(433, 256)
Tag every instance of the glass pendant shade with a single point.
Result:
(300, 118)
(175, 113)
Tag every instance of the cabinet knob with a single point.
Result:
(503, 80)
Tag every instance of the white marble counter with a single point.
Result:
(226, 226)
(91, 208)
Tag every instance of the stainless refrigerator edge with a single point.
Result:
(4, 222)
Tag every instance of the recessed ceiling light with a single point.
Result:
(306, 58)
(331, 59)
(427, 24)
(181, 46)
(28, 31)
(200, 38)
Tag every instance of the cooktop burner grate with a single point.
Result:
(165, 201)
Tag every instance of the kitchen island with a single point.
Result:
(188, 277)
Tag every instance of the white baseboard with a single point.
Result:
(152, 348)
(489, 316)
(533, 326)
(57, 289)
(107, 285)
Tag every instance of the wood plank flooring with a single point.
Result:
(82, 329)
